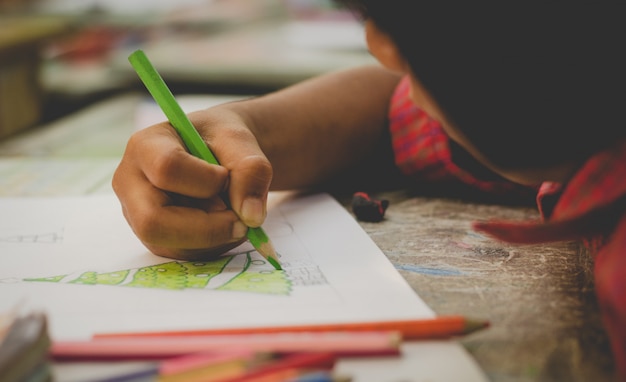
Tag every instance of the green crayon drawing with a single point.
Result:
(229, 273)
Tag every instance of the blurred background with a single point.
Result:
(59, 56)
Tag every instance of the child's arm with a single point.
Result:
(293, 138)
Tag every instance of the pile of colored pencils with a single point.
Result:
(257, 354)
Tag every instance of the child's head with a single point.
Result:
(531, 85)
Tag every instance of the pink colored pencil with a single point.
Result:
(339, 343)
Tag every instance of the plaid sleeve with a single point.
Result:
(423, 150)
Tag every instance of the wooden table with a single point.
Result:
(540, 298)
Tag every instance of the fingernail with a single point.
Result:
(252, 211)
(239, 230)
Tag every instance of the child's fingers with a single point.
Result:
(249, 184)
(168, 166)
(250, 172)
(159, 223)
(166, 221)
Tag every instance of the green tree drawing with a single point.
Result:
(179, 275)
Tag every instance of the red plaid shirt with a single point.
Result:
(591, 207)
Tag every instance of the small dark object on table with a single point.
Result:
(367, 208)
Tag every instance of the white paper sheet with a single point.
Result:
(77, 258)
(52, 247)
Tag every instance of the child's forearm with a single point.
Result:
(317, 128)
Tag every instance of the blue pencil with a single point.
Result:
(320, 376)
(146, 373)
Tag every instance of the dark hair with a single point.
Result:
(530, 83)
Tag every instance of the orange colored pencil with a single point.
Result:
(429, 328)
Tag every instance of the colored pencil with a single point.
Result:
(242, 366)
(209, 367)
(201, 367)
(320, 376)
(289, 366)
(177, 365)
(428, 328)
(192, 139)
(343, 344)
(148, 372)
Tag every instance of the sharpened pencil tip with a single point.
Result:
(275, 264)
(267, 250)
(474, 325)
(258, 238)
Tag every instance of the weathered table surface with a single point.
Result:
(539, 299)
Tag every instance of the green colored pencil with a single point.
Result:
(192, 139)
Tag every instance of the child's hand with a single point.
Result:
(310, 132)
(171, 199)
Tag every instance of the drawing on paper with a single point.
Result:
(235, 273)
(45, 238)
(240, 272)
(242, 269)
